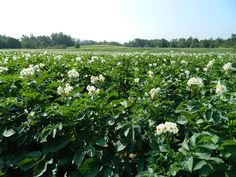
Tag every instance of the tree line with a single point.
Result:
(60, 40)
(184, 43)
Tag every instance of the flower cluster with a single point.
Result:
(210, 63)
(3, 69)
(136, 80)
(227, 66)
(39, 67)
(183, 62)
(31, 70)
(150, 74)
(66, 90)
(154, 91)
(27, 71)
(95, 79)
(124, 103)
(92, 90)
(73, 73)
(195, 81)
(167, 127)
(220, 88)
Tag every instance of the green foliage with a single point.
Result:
(53, 124)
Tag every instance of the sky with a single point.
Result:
(119, 20)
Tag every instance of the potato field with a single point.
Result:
(144, 114)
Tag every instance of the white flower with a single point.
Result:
(187, 73)
(68, 88)
(205, 69)
(159, 129)
(150, 74)
(92, 89)
(60, 90)
(220, 88)
(167, 127)
(210, 63)
(73, 73)
(195, 81)
(95, 79)
(124, 103)
(227, 66)
(78, 59)
(101, 78)
(183, 62)
(171, 127)
(32, 113)
(3, 69)
(27, 72)
(38, 67)
(154, 91)
(119, 63)
(136, 80)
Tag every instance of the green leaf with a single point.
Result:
(56, 144)
(101, 142)
(120, 146)
(228, 149)
(173, 170)
(8, 133)
(93, 171)
(79, 156)
(86, 165)
(199, 165)
(185, 144)
(188, 164)
(108, 172)
(27, 163)
(41, 167)
(2, 173)
(164, 148)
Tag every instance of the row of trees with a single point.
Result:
(184, 43)
(9, 43)
(60, 40)
(56, 40)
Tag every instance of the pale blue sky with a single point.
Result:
(119, 20)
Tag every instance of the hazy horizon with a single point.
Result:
(120, 20)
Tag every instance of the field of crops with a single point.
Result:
(123, 114)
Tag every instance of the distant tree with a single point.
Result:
(182, 43)
(9, 42)
(44, 41)
(77, 43)
(164, 43)
(60, 39)
(30, 42)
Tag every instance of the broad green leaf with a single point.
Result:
(120, 146)
(79, 156)
(199, 165)
(101, 142)
(41, 167)
(56, 144)
(188, 164)
(164, 148)
(27, 163)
